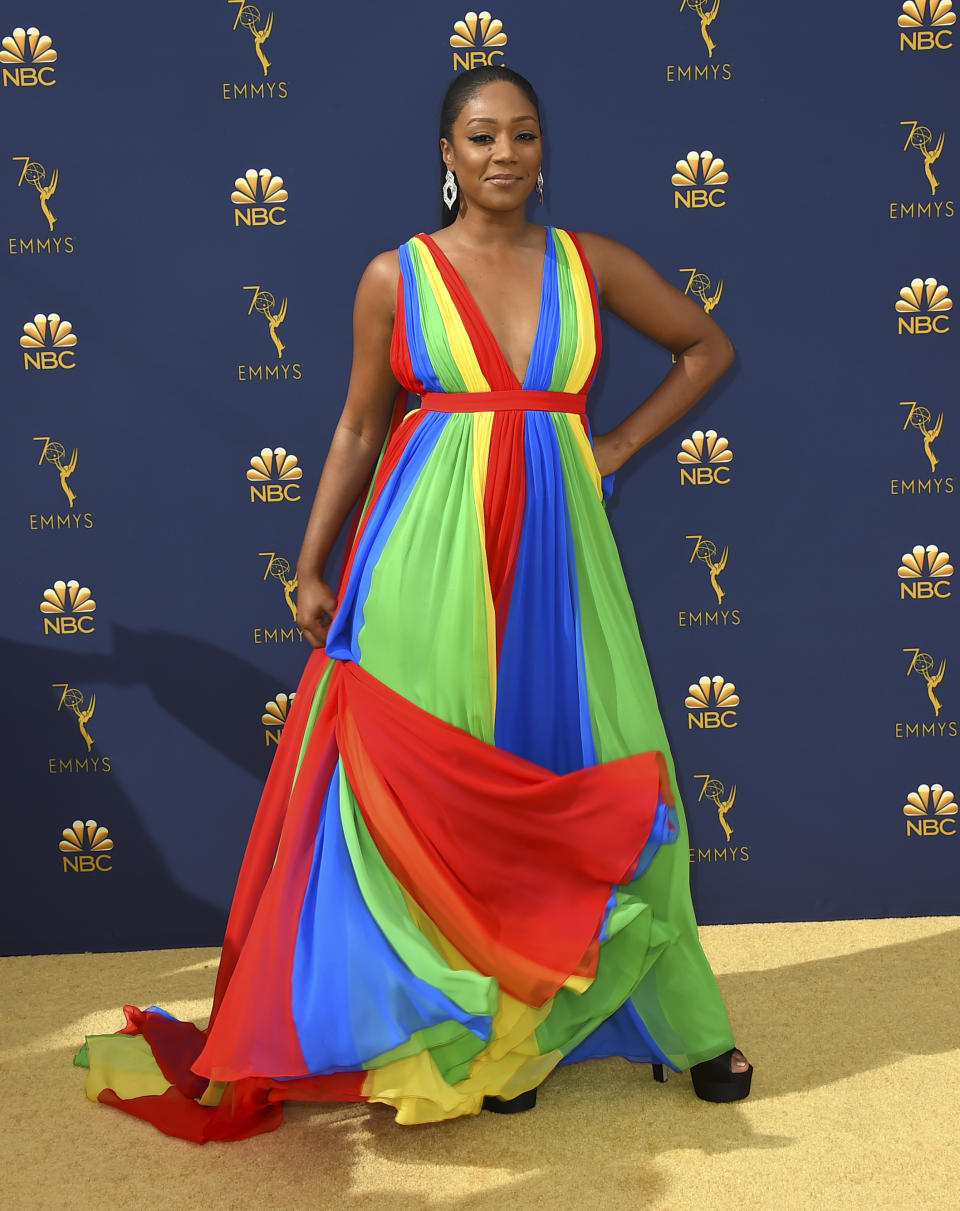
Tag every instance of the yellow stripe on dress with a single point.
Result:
(586, 350)
(460, 346)
(482, 428)
(585, 450)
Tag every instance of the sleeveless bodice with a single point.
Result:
(442, 343)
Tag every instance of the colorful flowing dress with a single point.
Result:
(469, 863)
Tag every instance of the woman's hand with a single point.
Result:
(316, 605)
(605, 453)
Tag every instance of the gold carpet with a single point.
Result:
(853, 1028)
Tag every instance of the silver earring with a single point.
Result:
(449, 189)
(540, 188)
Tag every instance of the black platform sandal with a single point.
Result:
(715, 1081)
(511, 1105)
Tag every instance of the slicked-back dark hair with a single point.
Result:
(463, 87)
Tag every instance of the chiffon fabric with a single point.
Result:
(469, 863)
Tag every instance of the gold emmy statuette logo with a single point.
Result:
(705, 458)
(713, 789)
(275, 716)
(931, 811)
(699, 284)
(86, 847)
(264, 302)
(279, 568)
(54, 453)
(926, 24)
(924, 573)
(474, 41)
(921, 419)
(921, 137)
(274, 476)
(922, 663)
(31, 54)
(72, 699)
(262, 187)
(249, 17)
(697, 181)
(35, 174)
(67, 609)
(923, 307)
(711, 703)
(706, 552)
(707, 17)
(48, 342)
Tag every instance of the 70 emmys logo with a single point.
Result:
(25, 47)
(476, 38)
(711, 703)
(697, 181)
(926, 24)
(260, 186)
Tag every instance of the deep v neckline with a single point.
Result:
(481, 322)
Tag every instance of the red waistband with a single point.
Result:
(503, 401)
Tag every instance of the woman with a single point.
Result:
(468, 864)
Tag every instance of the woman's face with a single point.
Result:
(496, 148)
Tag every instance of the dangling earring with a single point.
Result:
(540, 188)
(449, 190)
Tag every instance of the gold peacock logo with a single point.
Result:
(48, 342)
(86, 847)
(711, 702)
(926, 24)
(67, 608)
(476, 40)
(258, 198)
(705, 458)
(275, 716)
(698, 181)
(922, 307)
(931, 811)
(925, 573)
(274, 475)
(30, 56)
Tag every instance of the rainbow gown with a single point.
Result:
(469, 863)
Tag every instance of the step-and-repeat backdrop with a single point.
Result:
(189, 195)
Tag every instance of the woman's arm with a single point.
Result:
(356, 441)
(632, 289)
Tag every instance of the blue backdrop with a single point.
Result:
(166, 318)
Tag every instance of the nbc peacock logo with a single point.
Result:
(922, 308)
(67, 609)
(711, 703)
(275, 716)
(931, 811)
(274, 476)
(258, 199)
(86, 847)
(698, 181)
(27, 59)
(477, 41)
(926, 24)
(705, 458)
(48, 343)
(924, 574)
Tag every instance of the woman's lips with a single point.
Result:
(503, 180)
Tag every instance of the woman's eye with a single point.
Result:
(479, 138)
(526, 135)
